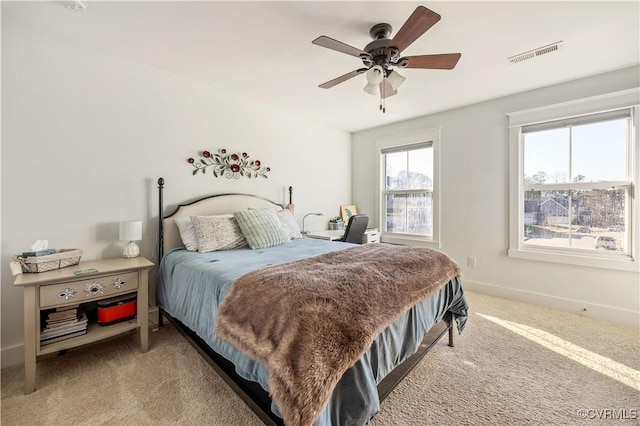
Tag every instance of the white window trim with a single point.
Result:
(428, 135)
(592, 105)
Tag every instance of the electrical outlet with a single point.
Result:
(471, 262)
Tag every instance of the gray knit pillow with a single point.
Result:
(188, 232)
(217, 233)
(261, 228)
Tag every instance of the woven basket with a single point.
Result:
(61, 259)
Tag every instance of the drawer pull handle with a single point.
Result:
(118, 282)
(67, 294)
(93, 289)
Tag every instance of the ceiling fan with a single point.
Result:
(382, 54)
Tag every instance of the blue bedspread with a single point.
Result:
(191, 286)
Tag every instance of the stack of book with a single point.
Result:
(63, 324)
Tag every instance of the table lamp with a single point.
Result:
(305, 216)
(131, 231)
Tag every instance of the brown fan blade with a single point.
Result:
(445, 61)
(339, 46)
(418, 23)
(386, 90)
(342, 78)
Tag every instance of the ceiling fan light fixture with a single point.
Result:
(371, 89)
(383, 53)
(395, 79)
(375, 75)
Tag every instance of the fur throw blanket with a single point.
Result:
(308, 321)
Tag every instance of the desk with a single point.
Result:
(330, 235)
(371, 235)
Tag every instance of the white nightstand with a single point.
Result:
(47, 291)
(371, 236)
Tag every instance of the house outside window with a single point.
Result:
(573, 173)
(408, 196)
(408, 193)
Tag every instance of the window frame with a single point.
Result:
(428, 136)
(627, 99)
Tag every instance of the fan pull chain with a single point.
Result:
(383, 99)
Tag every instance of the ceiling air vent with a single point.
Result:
(535, 53)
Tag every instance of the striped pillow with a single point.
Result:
(261, 228)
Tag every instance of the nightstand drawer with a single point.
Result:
(89, 288)
(372, 237)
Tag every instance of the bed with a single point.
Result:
(201, 293)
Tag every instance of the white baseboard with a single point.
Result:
(15, 355)
(578, 307)
(12, 356)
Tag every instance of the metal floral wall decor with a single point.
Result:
(229, 165)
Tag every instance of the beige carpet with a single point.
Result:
(514, 364)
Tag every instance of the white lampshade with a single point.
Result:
(131, 231)
(395, 79)
(371, 89)
(375, 75)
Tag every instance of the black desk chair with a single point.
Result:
(355, 229)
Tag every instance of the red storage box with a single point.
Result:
(117, 309)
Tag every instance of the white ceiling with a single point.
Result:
(262, 50)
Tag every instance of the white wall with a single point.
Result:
(86, 134)
(474, 215)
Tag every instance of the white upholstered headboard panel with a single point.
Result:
(215, 204)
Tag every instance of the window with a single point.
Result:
(408, 195)
(575, 178)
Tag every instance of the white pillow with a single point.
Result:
(188, 232)
(217, 233)
(289, 223)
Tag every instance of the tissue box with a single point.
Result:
(38, 253)
(61, 259)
